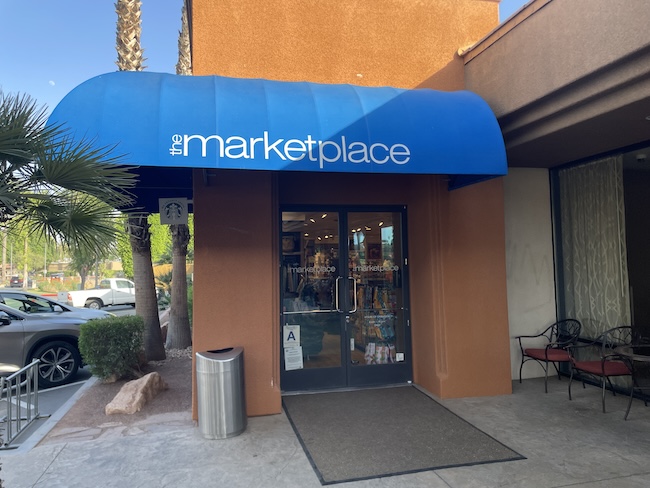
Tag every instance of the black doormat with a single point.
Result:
(374, 433)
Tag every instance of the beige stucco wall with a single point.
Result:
(568, 79)
(562, 42)
(529, 251)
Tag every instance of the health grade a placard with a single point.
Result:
(291, 336)
(292, 348)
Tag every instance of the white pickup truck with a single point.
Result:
(111, 291)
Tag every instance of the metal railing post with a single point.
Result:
(11, 388)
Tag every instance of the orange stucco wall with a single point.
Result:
(458, 289)
(235, 302)
(475, 296)
(402, 43)
(456, 240)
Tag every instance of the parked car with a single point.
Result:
(18, 282)
(111, 291)
(33, 303)
(50, 337)
(57, 276)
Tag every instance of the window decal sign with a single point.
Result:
(169, 120)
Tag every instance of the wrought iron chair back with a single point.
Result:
(559, 336)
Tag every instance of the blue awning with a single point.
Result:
(166, 120)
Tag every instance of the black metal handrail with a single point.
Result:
(20, 392)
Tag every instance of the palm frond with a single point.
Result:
(22, 128)
(75, 219)
(80, 166)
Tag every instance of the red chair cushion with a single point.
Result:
(553, 355)
(611, 368)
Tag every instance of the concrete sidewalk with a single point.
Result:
(566, 443)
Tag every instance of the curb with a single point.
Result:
(53, 419)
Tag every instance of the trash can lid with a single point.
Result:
(226, 354)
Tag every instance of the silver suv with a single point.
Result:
(50, 337)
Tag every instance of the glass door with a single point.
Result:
(378, 322)
(344, 301)
(312, 346)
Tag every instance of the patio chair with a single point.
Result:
(598, 358)
(558, 337)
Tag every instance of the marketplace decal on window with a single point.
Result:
(309, 149)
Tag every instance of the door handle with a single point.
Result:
(354, 292)
(336, 294)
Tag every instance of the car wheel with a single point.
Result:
(94, 303)
(59, 363)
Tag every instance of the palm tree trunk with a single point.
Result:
(130, 57)
(179, 335)
(82, 285)
(146, 304)
(184, 64)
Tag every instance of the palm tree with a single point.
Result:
(83, 261)
(179, 335)
(130, 57)
(50, 185)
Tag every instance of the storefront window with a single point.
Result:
(591, 245)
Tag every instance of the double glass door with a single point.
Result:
(344, 299)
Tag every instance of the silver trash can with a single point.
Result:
(220, 392)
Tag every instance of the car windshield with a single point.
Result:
(28, 303)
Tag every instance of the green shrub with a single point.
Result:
(112, 346)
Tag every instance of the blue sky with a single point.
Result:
(509, 7)
(48, 47)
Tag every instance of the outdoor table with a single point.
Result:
(637, 357)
